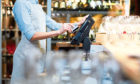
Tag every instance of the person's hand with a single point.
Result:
(82, 21)
(66, 27)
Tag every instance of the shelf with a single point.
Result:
(7, 55)
(6, 6)
(53, 42)
(10, 29)
(110, 3)
(81, 12)
(44, 6)
(6, 79)
(68, 44)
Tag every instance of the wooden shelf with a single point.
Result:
(7, 55)
(81, 12)
(68, 44)
(6, 29)
(6, 79)
(6, 6)
(56, 41)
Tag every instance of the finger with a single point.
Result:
(69, 29)
(86, 16)
(71, 25)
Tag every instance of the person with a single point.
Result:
(32, 22)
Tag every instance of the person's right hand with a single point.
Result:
(82, 21)
(65, 27)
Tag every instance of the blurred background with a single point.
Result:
(68, 11)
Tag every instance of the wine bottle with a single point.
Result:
(98, 7)
(71, 35)
(113, 1)
(12, 23)
(86, 6)
(65, 36)
(110, 5)
(106, 7)
(117, 2)
(72, 1)
(60, 37)
(80, 5)
(91, 35)
(62, 5)
(3, 43)
(69, 5)
(4, 68)
(11, 3)
(56, 5)
(92, 5)
(74, 5)
(11, 46)
(8, 11)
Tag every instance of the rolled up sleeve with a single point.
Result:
(52, 24)
(22, 16)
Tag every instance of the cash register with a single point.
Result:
(82, 34)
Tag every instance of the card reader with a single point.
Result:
(82, 35)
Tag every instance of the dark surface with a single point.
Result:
(137, 7)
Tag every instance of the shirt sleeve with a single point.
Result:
(52, 24)
(23, 19)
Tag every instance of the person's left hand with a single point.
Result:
(65, 27)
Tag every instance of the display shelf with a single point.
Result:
(10, 29)
(6, 79)
(68, 44)
(44, 6)
(81, 12)
(6, 6)
(55, 41)
(7, 55)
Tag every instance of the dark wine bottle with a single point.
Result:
(87, 6)
(105, 6)
(80, 5)
(4, 68)
(98, 5)
(12, 23)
